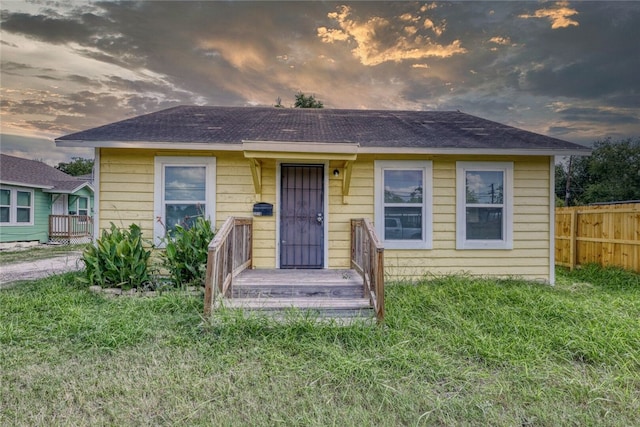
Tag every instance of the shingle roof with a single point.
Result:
(32, 173)
(368, 128)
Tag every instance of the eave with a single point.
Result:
(305, 148)
(74, 190)
(162, 145)
(24, 184)
(475, 151)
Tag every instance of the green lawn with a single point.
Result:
(453, 351)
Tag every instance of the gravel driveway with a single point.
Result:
(30, 270)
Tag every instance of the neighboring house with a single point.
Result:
(41, 203)
(448, 192)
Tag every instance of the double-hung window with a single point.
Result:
(83, 206)
(403, 203)
(184, 191)
(484, 209)
(16, 206)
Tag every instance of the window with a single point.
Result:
(16, 206)
(484, 205)
(82, 206)
(5, 205)
(184, 190)
(403, 203)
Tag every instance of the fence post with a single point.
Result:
(573, 235)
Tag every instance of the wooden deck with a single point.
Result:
(332, 294)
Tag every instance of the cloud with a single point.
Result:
(10, 67)
(601, 115)
(40, 149)
(504, 41)
(52, 29)
(67, 68)
(378, 40)
(437, 29)
(559, 15)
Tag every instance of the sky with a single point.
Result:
(564, 69)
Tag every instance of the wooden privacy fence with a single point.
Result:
(602, 234)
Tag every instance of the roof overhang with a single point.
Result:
(332, 151)
(254, 151)
(162, 145)
(476, 151)
(74, 190)
(24, 184)
(300, 150)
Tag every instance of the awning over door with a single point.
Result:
(256, 151)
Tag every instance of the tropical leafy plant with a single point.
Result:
(185, 256)
(118, 259)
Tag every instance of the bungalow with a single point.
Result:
(41, 203)
(447, 192)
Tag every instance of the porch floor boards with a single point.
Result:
(326, 294)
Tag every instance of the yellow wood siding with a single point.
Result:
(359, 205)
(126, 189)
(530, 254)
(126, 196)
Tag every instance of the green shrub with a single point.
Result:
(118, 259)
(185, 256)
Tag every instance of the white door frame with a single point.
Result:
(325, 225)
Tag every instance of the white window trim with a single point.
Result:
(76, 205)
(427, 202)
(78, 208)
(13, 206)
(158, 194)
(461, 207)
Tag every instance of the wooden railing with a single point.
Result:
(70, 226)
(229, 254)
(367, 258)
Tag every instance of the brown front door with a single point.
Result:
(302, 216)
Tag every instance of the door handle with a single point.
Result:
(319, 217)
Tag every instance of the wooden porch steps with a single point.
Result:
(325, 294)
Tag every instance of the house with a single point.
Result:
(41, 203)
(448, 192)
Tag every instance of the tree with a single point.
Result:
(77, 166)
(611, 173)
(307, 101)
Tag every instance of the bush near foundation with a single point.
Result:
(185, 255)
(117, 260)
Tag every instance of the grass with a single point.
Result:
(453, 351)
(37, 252)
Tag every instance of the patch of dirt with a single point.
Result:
(38, 269)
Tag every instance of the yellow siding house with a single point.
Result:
(447, 192)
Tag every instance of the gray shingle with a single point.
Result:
(36, 174)
(369, 128)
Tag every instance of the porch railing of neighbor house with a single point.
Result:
(229, 254)
(367, 258)
(70, 227)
